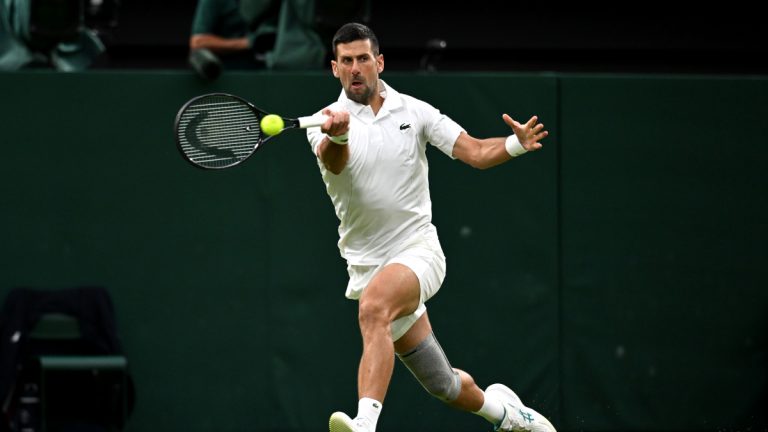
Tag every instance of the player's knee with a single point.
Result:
(372, 314)
(465, 380)
(428, 363)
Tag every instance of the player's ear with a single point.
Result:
(335, 68)
(380, 62)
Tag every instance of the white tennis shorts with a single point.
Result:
(423, 255)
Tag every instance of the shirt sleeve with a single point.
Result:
(440, 130)
(205, 17)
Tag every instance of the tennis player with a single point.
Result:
(371, 153)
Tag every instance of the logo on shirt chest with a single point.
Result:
(404, 127)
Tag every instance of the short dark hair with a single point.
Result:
(351, 32)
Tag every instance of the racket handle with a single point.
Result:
(312, 121)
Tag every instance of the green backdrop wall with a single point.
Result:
(616, 279)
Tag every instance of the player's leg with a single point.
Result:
(421, 353)
(391, 294)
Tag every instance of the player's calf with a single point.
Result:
(429, 364)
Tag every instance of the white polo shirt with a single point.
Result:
(382, 195)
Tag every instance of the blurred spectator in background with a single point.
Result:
(253, 34)
(233, 32)
(49, 33)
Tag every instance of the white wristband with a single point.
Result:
(513, 146)
(340, 139)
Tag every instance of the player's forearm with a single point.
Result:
(481, 153)
(493, 152)
(218, 44)
(333, 156)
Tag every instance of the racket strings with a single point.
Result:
(217, 132)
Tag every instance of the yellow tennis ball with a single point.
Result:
(272, 124)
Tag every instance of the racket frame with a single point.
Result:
(289, 123)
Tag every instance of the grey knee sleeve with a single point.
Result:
(428, 363)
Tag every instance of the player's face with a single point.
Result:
(358, 69)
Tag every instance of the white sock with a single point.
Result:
(368, 411)
(492, 410)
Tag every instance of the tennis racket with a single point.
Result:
(219, 130)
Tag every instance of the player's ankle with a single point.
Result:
(492, 410)
(368, 411)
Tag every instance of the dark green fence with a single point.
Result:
(617, 279)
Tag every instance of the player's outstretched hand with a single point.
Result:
(529, 134)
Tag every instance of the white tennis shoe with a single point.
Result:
(517, 417)
(341, 422)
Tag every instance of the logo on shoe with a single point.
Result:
(526, 416)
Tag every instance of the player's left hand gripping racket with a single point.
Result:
(219, 130)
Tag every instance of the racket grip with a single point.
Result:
(312, 121)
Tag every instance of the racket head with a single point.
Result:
(218, 130)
